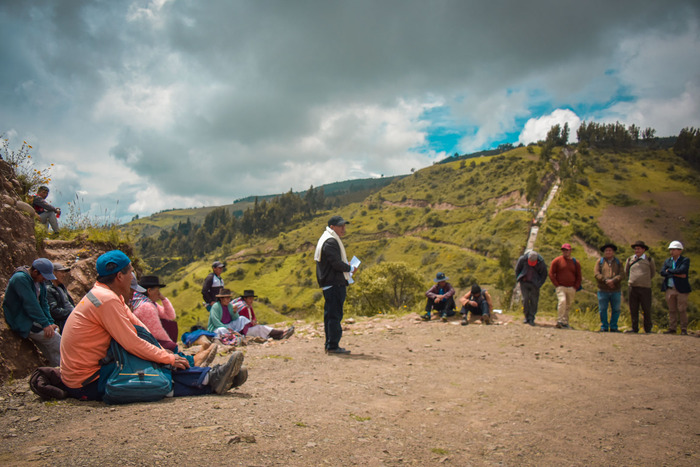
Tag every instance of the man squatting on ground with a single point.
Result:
(332, 273)
(478, 303)
(440, 298)
(102, 315)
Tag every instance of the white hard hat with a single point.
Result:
(675, 245)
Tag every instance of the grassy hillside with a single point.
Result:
(340, 193)
(467, 218)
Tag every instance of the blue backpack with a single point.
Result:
(133, 379)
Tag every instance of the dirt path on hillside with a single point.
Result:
(412, 393)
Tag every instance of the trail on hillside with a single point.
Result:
(411, 393)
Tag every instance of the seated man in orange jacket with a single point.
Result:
(102, 315)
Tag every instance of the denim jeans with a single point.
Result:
(613, 299)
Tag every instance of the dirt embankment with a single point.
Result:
(412, 393)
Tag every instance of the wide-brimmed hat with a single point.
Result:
(249, 293)
(608, 245)
(441, 277)
(224, 293)
(150, 281)
(640, 243)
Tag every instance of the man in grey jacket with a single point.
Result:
(531, 273)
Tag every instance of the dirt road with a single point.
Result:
(412, 393)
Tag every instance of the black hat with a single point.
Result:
(249, 293)
(640, 243)
(608, 245)
(476, 289)
(150, 281)
(441, 277)
(337, 221)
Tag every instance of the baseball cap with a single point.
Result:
(135, 284)
(45, 267)
(566, 246)
(337, 221)
(111, 257)
(217, 264)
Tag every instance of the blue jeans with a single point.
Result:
(612, 298)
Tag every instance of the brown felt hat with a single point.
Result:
(224, 293)
(640, 243)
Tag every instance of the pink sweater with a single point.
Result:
(151, 313)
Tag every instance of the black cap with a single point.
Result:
(337, 220)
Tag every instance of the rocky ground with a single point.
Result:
(412, 393)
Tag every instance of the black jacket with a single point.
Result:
(209, 292)
(329, 271)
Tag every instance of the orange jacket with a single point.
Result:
(100, 316)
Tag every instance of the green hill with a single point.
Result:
(471, 219)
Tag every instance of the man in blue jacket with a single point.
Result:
(26, 308)
(677, 287)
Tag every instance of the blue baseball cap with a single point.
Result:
(45, 267)
(116, 257)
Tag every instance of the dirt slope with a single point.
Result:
(412, 393)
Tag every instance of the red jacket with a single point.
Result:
(566, 273)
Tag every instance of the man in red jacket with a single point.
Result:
(565, 274)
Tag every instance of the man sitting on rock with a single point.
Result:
(478, 303)
(26, 308)
(44, 210)
(60, 302)
(440, 298)
(102, 315)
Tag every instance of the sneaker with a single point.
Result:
(486, 319)
(221, 376)
(338, 351)
(241, 377)
(288, 333)
(443, 318)
(426, 317)
(559, 326)
(602, 330)
(615, 330)
(670, 331)
(531, 323)
(684, 332)
(631, 331)
(465, 321)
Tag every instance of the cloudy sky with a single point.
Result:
(177, 103)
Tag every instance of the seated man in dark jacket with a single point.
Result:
(60, 302)
(46, 212)
(440, 298)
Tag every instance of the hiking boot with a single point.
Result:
(337, 351)
(241, 377)
(205, 357)
(531, 323)
(670, 331)
(221, 376)
(559, 326)
(684, 332)
(443, 318)
(288, 333)
(426, 317)
(486, 319)
(631, 331)
(465, 321)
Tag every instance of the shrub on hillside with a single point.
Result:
(386, 287)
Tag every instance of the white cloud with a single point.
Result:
(536, 129)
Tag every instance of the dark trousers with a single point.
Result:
(531, 298)
(640, 296)
(444, 306)
(333, 315)
(481, 309)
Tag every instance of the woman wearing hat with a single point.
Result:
(259, 330)
(640, 270)
(224, 317)
(160, 319)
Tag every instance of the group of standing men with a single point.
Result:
(639, 269)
